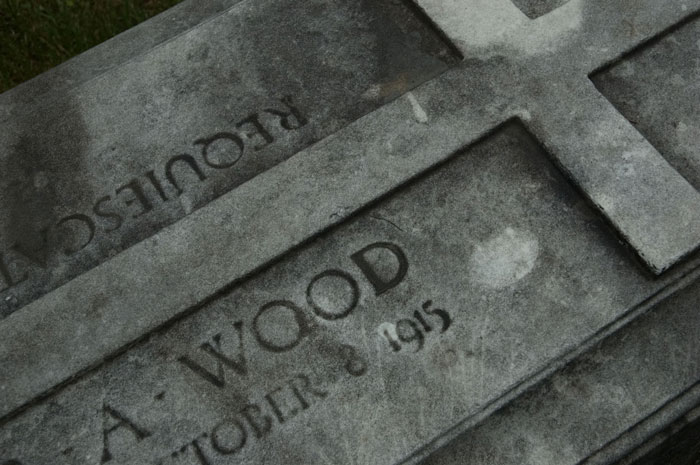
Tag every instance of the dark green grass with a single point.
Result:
(36, 35)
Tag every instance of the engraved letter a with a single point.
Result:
(109, 414)
(238, 364)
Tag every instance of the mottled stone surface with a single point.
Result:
(96, 168)
(456, 249)
(456, 285)
(600, 404)
(657, 89)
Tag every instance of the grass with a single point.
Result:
(36, 35)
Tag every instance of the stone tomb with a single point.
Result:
(441, 232)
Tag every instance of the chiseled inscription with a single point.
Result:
(387, 331)
(414, 330)
(218, 361)
(253, 422)
(140, 196)
(283, 403)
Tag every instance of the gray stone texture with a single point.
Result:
(489, 261)
(595, 400)
(498, 301)
(77, 188)
(656, 88)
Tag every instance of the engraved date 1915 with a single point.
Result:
(413, 331)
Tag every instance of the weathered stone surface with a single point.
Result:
(90, 171)
(381, 295)
(456, 285)
(651, 205)
(657, 88)
(603, 403)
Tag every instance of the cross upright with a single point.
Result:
(544, 64)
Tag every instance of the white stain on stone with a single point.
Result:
(418, 112)
(505, 259)
(524, 115)
(387, 328)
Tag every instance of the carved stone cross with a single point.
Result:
(545, 64)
